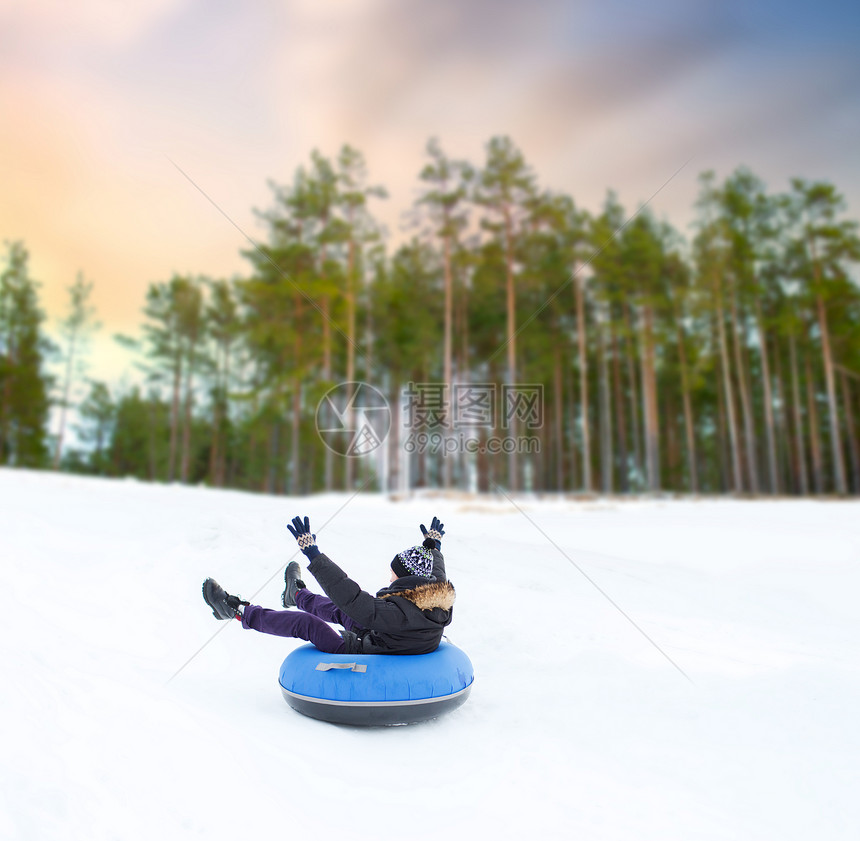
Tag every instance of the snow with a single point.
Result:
(731, 712)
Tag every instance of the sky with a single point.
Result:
(137, 139)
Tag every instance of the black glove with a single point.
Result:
(434, 535)
(301, 531)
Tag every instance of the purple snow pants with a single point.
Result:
(307, 623)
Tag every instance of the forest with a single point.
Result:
(513, 341)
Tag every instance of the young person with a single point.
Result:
(406, 617)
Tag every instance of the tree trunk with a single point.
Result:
(851, 432)
(673, 440)
(174, 415)
(800, 449)
(606, 449)
(215, 444)
(271, 469)
(770, 432)
(724, 476)
(832, 403)
(5, 448)
(558, 398)
(100, 437)
(751, 449)
(649, 394)
(327, 374)
(447, 361)
(621, 422)
(295, 479)
(571, 399)
(814, 435)
(67, 385)
(394, 440)
(482, 464)
(421, 473)
(215, 438)
(579, 286)
(186, 420)
(225, 418)
(462, 309)
(5, 405)
(350, 339)
(634, 393)
(788, 468)
(688, 407)
(153, 421)
(513, 429)
(737, 475)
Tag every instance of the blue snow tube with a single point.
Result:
(369, 689)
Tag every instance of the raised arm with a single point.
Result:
(433, 541)
(356, 603)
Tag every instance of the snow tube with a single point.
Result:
(369, 689)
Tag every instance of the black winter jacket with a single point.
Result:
(407, 617)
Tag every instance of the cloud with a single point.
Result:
(555, 54)
(99, 22)
(553, 75)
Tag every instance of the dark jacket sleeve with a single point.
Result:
(358, 605)
(438, 566)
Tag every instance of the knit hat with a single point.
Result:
(417, 560)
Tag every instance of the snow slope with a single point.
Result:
(578, 725)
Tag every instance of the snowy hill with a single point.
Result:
(579, 725)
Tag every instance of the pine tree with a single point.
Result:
(139, 444)
(505, 185)
(223, 327)
(24, 403)
(679, 294)
(172, 336)
(406, 342)
(552, 232)
(711, 259)
(74, 330)
(824, 244)
(97, 412)
(359, 231)
(189, 301)
(447, 183)
(644, 256)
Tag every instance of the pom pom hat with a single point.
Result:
(417, 560)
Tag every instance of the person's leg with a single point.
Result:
(291, 623)
(324, 608)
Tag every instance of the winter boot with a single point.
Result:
(292, 584)
(224, 606)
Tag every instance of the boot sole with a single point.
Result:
(285, 595)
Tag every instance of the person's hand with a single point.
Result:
(435, 533)
(301, 531)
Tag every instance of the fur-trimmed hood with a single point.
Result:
(428, 596)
